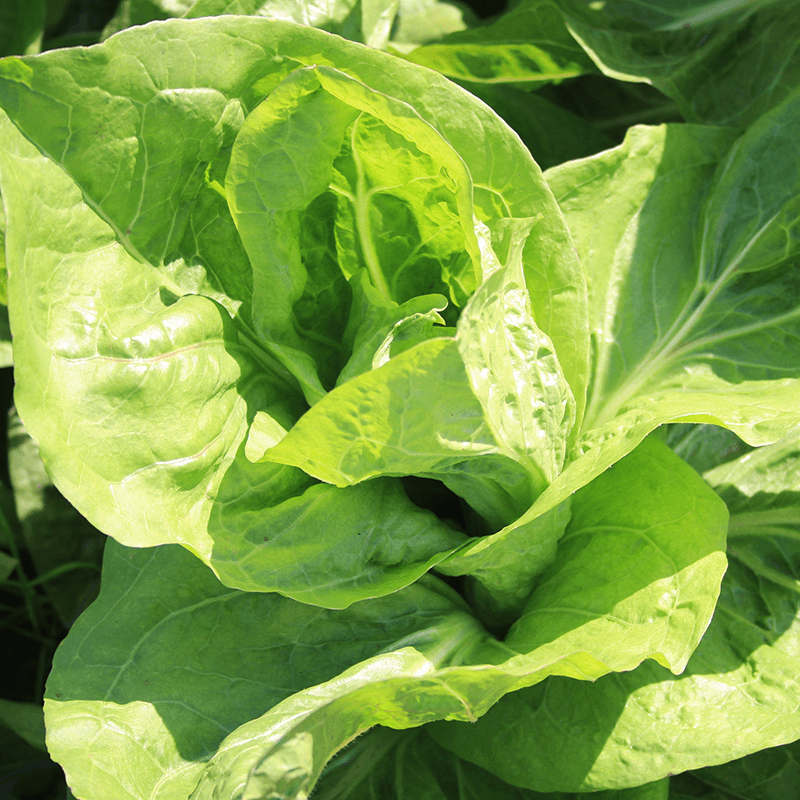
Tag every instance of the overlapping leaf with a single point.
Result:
(688, 237)
(139, 307)
(739, 693)
(156, 686)
(528, 45)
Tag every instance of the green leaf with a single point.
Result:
(409, 764)
(677, 344)
(147, 674)
(7, 565)
(322, 545)
(528, 45)
(705, 446)
(6, 350)
(771, 774)
(513, 368)
(26, 720)
(147, 332)
(738, 694)
(140, 12)
(394, 172)
(551, 133)
(379, 328)
(724, 63)
(415, 414)
(183, 661)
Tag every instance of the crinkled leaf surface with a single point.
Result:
(415, 414)
(739, 692)
(513, 368)
(724, 63)
(398, 198)
(152, 683)
(137, 305)
(143, 311)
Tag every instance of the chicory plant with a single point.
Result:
(368, 405)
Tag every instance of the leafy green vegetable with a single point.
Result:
(201, 331)
(311, 311)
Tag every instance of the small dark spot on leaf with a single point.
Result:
(146, 682)
(58, 694)
(266, 538)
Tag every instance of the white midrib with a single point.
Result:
(669, 346)
(363, 225)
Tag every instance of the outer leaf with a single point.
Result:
(165, 711)
(676, 344)
(367, 21)
(140, 12)
(529, 44)
(738, 695)
(725, 63)
(6, 351)
(739, 692)
(25, 719)
(168, 661)
(140, 358)
(705, 446)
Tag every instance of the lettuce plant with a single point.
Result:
(368, 405)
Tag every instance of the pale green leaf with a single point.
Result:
(415, 414)
(155, 688)
(529, 45)
(513, 368)
(135, 310)
(738, 694)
